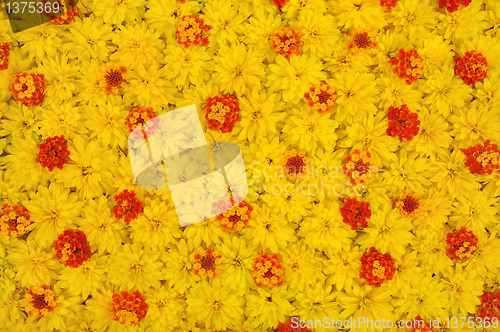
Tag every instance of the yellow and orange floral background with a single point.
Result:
(315, 84)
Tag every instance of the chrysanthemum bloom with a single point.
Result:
(285, 42)
(321, 97)
(14, 221)
(206, 262)
(137, 117)
(472, 67)
(303, 266)
(402, 123)
(409, 65)
(376, 268)
(222, 112)
(127, 206)
(190, 31)
(86, 279)
(54, 152)
(362, 41)
(490, 305)
(28, 88)
(129, 308)
(112, 77)
(4, 56)
(72, 248)
(389, 4)
(355, 212)
(452, 5)
(39, 301)
(465, 287)
(287, 327)
(268, 271)
(463, 244)
(235, 218)
(409, 205)
(483, 158)
(359, 167)
(296, 164)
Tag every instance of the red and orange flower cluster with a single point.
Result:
(472, 68)
(296, 164)
(72, 248)
(206, 263)
(490, 305)
(54, 153)
(235, 218)
(268, 271)
(409, 204)
(409, 65)
(483, 158)
(376, 268)
(355, 213)
(127, 206)
(4, 56)
(362, 40)
(14, 221)
(113, 77)
(359, 167)
(129, 308)
(141, 116)
(463, 244)
(286, 42)
(453, 5)
(222, 113)
(39, 301)
(29, 89)
(389, 4)
(321, 98)
(190, 31)
(402, 123)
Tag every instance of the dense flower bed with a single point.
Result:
(370, 132)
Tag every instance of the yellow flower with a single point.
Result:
(260, 113)
(12, 315)
(445, 91)
(371, 136)
(342, 268)
(465, 288)
(436, 208)
(188, 65)
(324, 229)
(88, 169)
(308, 130)
(33, 264)
(431, 248)
(343, 59)
(102, 229)
(259, 33)
(318, 32)
(395, 92)
(20, 121)
(42, 41)
(238, 69)
(408, 171)
(317, 302)
(407, 273)
(426, 298)
(60, 74)
(302, 266)
(136, 45)
(52, 209)
(225, 20)
(452, 176)
(166, 308)
(295, 76)
(462, 24)
(157, 226)
(387, 231)
(115, 12)
(86, 279)
(474, 210)
(135, 268)
(293, 8)
(237, 264)
(165, 15)
(413, 18)
(434, 51)
(63, 119)
(178, 271)
(107, 122)
(215, 305)
(484, 261)
(354, 14)
(266, 308)
(366, 301)
(292, 200)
